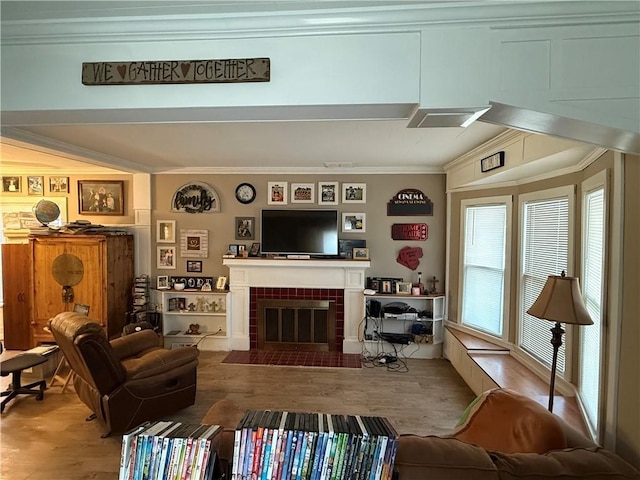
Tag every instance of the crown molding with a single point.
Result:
(364, 170)
(163, 24)
(73, 152)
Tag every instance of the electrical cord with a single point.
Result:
(207, 335)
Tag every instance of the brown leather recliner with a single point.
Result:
(128, 380)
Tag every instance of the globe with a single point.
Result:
(46, 211)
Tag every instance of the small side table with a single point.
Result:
(15, 366)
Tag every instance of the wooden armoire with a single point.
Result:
(100, 272)
(16, 287)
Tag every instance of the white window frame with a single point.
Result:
(594, 183)
(567, 191)
(506, 200)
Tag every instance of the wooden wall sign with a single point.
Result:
(196, 197)
(234, 70)
(410, 201)
(409, 231)
(409, 257)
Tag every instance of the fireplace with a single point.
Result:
(296, 310)
(255, 279)
(304, 325)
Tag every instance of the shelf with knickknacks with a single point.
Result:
(208, 331)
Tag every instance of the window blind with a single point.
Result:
(592, 286)
(544, 252)
(483, 267)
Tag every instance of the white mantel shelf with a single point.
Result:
(245, 273)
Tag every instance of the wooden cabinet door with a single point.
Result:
(16, 313)
(48, 293)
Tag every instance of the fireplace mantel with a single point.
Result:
(245, 273)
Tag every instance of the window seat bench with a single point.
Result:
(484, 365)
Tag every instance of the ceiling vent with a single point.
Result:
(446, 117)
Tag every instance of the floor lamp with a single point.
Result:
(560, 301)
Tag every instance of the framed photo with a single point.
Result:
(303, 193)
(166, 231)
(12, 184)
(245, 228)
(361, 254)
(254, 251)
(221, 283)
(354, 193)
(241, 250)
(163, 282)
(194, 266)
(166, 257)
(492, 161)
(328, 193)
(35, 185)
(233, 249)
(277, 193)
(403, 288)
(59, 184)
(101, 197)
(194, 243)
(81, 308)
(354, 222)
(386, 286)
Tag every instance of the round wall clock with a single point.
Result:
(245, 193)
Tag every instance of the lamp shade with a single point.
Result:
(560, 301)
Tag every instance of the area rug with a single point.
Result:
(294, 358)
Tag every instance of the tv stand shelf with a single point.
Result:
(424, 314)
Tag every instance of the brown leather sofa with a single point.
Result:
(514, 427)
(128, 380)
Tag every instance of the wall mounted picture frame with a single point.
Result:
(166, 231)
(35, 185)
(166, 257)
(328, 193)
(303, 193)
(58, 184)
(101, 197)
(361, 254)
(277, 193)
(194, 243)
(194, 266)
(354, 193)
(245, 228)
(354, 222)
(162, 282)
(12, 184)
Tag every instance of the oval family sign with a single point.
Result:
(195, 197)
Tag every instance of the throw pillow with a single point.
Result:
(505, 421)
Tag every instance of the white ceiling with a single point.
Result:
(310, 146)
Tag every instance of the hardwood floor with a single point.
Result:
(51, 440)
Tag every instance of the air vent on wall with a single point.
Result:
(445, 117)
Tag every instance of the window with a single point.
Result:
(545, 239)
(483, 277)
(593, 255)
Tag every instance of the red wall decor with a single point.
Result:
(409, 231)
(410, 257)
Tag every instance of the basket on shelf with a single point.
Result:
(422, 338)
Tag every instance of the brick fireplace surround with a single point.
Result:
(251, 279)
(270, 293)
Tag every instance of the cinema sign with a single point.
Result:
(410, 201)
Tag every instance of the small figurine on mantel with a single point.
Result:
(432, 285)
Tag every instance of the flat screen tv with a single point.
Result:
(299, 232)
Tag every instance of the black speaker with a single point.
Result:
(375, 308)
